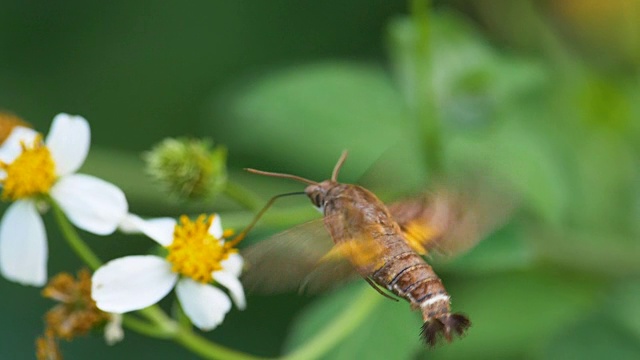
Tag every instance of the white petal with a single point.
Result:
(90, 203)
(23, 244)
(204, 304)
(132, 283)
(158, 229)
(233, 285)
(113, 332)
(68, 140)
(12, 146)
(233, 264)
(216, 227)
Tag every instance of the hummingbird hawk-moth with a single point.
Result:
(383, 244)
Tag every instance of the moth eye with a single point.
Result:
(317, 200)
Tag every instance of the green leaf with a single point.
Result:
(593, 338)
(388, 331)
(512, 314)
(623, 304)
(469, 81)
(589, 251)
(524, 160)
(306, 115)
(605, 172)
(505, 250)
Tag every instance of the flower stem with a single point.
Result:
(206, 349)
(170, 329)
(155, 314)
(73, 239)
(143, 327)
(243, 196)
(344, 325)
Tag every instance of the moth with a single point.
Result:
(383, 244)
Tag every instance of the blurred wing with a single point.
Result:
(354, 239)
(449, 222)
(300, 258)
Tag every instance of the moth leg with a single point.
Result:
(377, 288)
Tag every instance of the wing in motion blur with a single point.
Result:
(296, 259)
(450, 222)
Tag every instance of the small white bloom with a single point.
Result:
(31, 169)
(197, 256)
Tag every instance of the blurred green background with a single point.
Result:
(543, 95)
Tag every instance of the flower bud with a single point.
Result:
(188, 168)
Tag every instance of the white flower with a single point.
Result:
(197, 256)
(32, 170)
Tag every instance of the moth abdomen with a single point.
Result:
(408, 275)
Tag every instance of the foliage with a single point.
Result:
(556, 125)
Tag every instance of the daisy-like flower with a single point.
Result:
(32, 172)
(197, 256)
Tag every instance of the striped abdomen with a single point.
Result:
(409, 276)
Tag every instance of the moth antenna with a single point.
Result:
(253, 223)
(336, 169)
(284, 176)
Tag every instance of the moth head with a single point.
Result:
(317, 193)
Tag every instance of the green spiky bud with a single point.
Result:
(188, 168)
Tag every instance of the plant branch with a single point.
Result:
(73, 239)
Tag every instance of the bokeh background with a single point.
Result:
(542, 95)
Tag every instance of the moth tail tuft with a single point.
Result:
(447, 326)
(431, 330)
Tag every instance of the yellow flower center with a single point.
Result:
(194, 252)
(32, 173)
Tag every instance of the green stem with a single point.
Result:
(344, 324)
(155, 314)
(143, 327)
(180, 317)
(206, 349)
(170, 329)
(428, 122)
(420, 18)
(73, 239)
(243, 196)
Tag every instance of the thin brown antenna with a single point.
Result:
(285, 176)
(336, 169)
